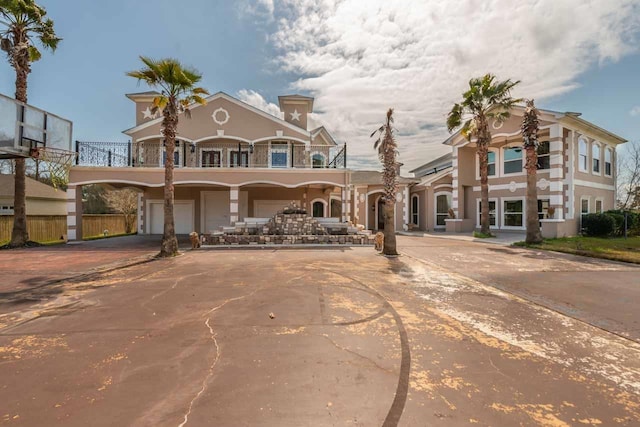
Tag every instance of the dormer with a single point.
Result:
(144, 104)
(296, 108)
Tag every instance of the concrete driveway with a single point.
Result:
(327, 337)
(603, 293)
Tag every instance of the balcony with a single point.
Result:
(212, 154)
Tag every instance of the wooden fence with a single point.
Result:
(47, 228)
(95, 225)
(42, 228)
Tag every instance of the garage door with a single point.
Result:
(182, 214)
(268, 208)
(216, 210)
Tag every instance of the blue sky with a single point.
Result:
(356, 60)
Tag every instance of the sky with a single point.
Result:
(356, 57)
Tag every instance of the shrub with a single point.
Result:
(598, 225)
(633, 222)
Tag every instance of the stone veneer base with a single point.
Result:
(234, 239)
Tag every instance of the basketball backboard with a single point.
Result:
(24, 127)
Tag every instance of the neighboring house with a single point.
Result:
(233, 162)
(41, 198)
(576, 176)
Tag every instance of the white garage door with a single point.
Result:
(268, 208)
(182, 214)
(216, 210)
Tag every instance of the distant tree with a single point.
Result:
(628, 176)
(179, 91)
(387, 150)
(124, 202)
(486, 99)
(93, 199)
(529, 127)
(23, 21)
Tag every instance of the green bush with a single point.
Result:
(598, 225)
(633, 222)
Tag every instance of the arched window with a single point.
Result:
(582, 154)
(595, 155)
(318, 160)
(607, 161)
(318, 209)
(415, 202)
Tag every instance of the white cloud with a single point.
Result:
(253, 98)
(262, 9)
(635, 111)
(358, 59)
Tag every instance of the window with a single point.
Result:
(491, 166)
(543, 155)
(582, 154)
(239, 159)
(598, 206)
(318, 160)
(443, 203)
(415, 202)
(279, 155)
(492, 213)
(6, 210)
(512, 160)
(584, 209)
(595, 154)
(607, 161)
(513, 213)
(211, 158)
(543, 207)
(318, 209)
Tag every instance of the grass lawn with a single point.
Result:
(617, 249)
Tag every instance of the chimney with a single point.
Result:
(295, 109)
(144, 104)
(398, 166)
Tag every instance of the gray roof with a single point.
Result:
(35, 189)
(440, 161)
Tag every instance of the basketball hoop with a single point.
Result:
(58, 162)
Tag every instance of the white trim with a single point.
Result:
(588, 199)
(161, 201)
(140, 210)
(243, 150)
(586, 141)
(71, 234)
(497, 214)
(146, 138)
(223, 184)
(203, 149)
(233, 101)
(281, 150)
(435, 208)
(71, 220)
(405, 208)
(596, 144)
(524, 213)
(442, 186)
(498, 187)
(324, 159)
(324, 203)
(223, 121)
(235, 138)
(280, 138)
(503, 160)
(415, 213)
(597, 185)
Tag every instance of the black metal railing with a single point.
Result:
(110, 154)
(150, 154)
(340, 159)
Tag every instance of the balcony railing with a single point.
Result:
(152, 154)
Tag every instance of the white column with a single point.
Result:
(74, 212)
(234, 194)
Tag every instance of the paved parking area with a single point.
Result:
(305, 337)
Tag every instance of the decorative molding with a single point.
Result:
(590, 184)
(223, 120)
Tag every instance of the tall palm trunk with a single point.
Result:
(20, 234)
(484, 137)
(530, 139)
(169, 246)
(389, 231)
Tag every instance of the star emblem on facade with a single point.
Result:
(295, 115)
(148, 114)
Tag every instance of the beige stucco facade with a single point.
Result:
(234, 162)
(576, 175)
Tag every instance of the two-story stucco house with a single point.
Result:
(233, 161)
(576, 176)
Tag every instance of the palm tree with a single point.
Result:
(23, 21)
(178, 92)
(486, 99)
(387, 150)
(530, 141)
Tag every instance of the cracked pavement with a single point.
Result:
(356, 339)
